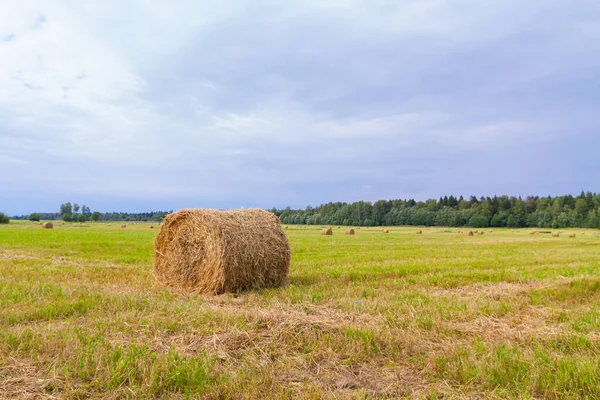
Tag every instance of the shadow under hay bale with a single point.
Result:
(47, 225)
(327, 231)
(211, 252)
(350, 232)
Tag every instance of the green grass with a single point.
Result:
(503, 315)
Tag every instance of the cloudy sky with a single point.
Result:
(136, 105)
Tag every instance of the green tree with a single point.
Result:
(35, 217)
(81, 218)
(66, 211)
(592, 220)
(95, 216)
(478, 221)
(510, 222)
(4, 219)
(75, 208)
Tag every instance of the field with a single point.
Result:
(437, 315)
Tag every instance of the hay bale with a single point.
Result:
(481, 232)
(555, 234)
(210, 252)
(571, 235)
(123, 226)
(151, 227)
(327, 231)
(47, 225)
(419, 232)
(385, 231)
(469, 233)
(350, 231)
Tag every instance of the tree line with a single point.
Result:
(74, 213)
(567, 211)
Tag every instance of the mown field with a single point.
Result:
(437, 315)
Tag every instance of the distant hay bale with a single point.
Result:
(123, 226)
(151, 227)
(327, 231)
(419, 232)
(571, 235)
(469, 233)
(47, 225)
(211, 252)
(350, 232)
(555, 234)
(385, 231)
(481, 233)
(532, 233)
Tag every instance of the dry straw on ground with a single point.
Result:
(47, 225)
(350, 231)
(210, 252)
(327, 231)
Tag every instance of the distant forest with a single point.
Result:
(74, 213)
(568, 211)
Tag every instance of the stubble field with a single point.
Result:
(399, 315)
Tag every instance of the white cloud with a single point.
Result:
(123, 97)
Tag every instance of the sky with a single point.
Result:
(138, 105)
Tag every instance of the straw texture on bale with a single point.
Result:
(571, 235)
(469, 233)
(556, 234)
(350, 232)
(327, 231)
(419, 232)
(47, 225)
(211, 252)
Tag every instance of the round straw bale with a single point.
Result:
(47, 225)
(123, 226)
(481, 232)
(419, 232)
(555, 234)
(327, 231)
(571, 235)
(151, 227)
(469, 233)
(385, 230)
(350, 231)
(208, 251)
